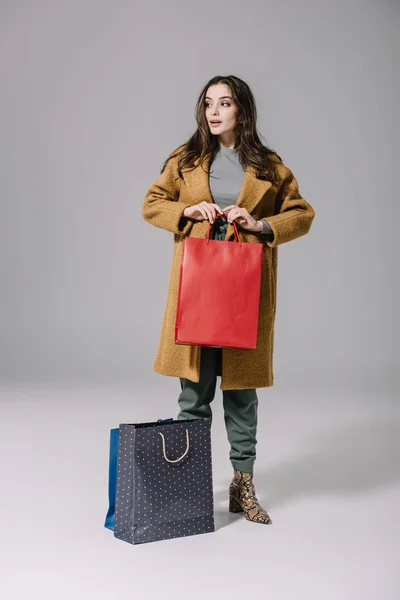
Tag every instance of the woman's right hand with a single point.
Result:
(203, 210)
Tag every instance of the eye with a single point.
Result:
(222, 103)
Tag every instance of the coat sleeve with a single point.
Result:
(162, 207)
(294, 216)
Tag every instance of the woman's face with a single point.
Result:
(219, 106)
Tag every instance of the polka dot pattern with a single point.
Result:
(157, 499)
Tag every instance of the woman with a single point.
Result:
(223, 173)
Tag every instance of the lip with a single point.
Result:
(215, 124)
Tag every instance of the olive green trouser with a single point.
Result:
(240, 406)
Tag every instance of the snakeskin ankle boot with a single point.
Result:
(242, 498)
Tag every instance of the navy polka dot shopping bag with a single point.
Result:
(160, 480)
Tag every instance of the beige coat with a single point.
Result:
(289, 215)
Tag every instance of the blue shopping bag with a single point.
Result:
(112, 474)
(112, 478)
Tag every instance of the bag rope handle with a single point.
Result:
(234, 229)
(184, 454)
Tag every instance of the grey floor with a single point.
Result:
(327, 470)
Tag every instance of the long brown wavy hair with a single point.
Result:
(251, 150)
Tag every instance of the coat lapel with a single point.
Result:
(250, 195)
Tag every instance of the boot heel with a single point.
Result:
(234, 505)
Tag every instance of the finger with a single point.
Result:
(214, 212)
(203, 212)
(218, 210)
(209, 212)
(208, 207)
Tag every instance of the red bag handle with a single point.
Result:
(237, 239)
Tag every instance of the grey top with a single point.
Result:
(225, 180)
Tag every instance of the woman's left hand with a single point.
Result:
(241, 216)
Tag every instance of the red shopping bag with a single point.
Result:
(219, 292)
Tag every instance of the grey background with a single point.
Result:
(94, 95)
